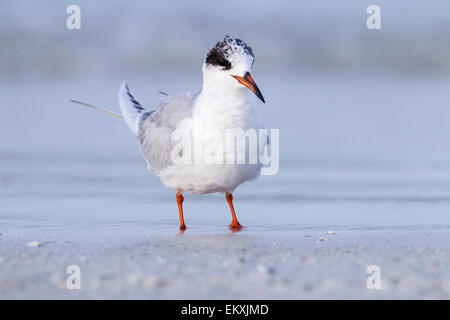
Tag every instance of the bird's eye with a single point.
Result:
(223, 62)
(215, 57)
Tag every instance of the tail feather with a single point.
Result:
(115, 115)
(131, 109)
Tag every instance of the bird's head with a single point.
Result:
(229, 64)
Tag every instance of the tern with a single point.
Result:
(226, 101)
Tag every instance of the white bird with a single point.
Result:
(223, 103)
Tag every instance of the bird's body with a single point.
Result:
(204, 119)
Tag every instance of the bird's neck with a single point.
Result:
(222, 107)
(223, 95)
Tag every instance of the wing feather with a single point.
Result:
(156, 128)
(131, 109)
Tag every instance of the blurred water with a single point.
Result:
(302, 36)
(321, 118)
(355, 153)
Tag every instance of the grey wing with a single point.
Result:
(156, 128)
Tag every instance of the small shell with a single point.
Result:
(33, 244)
(331, 232)
(321, 239)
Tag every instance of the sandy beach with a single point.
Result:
(254, 264)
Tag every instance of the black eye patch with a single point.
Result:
(216, 58)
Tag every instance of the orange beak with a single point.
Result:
(248, 81)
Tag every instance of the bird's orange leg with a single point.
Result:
(180, 209)
(234, 225)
